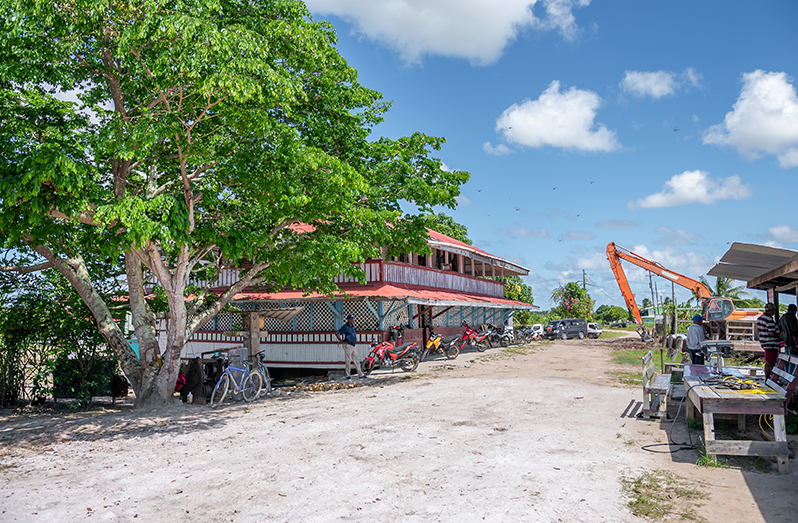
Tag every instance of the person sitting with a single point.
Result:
(194, 383)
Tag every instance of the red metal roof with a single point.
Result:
(390, 291)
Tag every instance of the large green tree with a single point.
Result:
(210, 134)
(572, 301)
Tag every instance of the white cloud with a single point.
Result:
(477, 30)
(499, 150)
(783, 234)
(695, 187)
(654, 84)
(557, 119)
(677, 236)
(576, 235)
(659, 84)
(462, 200)
(528, 233)
(689, 263)
(763, 120)
(596, 262)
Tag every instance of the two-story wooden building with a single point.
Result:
(456, 283)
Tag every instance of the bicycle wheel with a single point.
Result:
(220, 390)
(251, 385)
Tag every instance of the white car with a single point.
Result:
(594, 330)
(537, 329)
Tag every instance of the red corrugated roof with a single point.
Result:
(390, 291)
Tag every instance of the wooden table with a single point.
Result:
(711, 399)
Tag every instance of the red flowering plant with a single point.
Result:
(572, 302)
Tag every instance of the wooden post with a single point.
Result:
(254, 333)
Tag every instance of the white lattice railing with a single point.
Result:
(403, 273)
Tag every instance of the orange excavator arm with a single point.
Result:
(616, 253)
(623, 283)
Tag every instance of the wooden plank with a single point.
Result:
(741, 407)
(747, 448)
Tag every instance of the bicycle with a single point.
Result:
(249, 386)
(264, 372)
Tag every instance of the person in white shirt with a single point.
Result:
(695, 335)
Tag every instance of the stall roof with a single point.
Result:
(390, 291)
(762, 267)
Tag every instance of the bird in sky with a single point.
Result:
(578, 215)
(480, 190)
(676, 129)
(554, 189)
(517, 208)
(591, 183)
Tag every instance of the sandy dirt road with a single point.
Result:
(543, 436)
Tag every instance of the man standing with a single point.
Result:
(768, 337)
(695, 335)
(789, 330)
(349, 340)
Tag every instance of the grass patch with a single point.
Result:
(705, 460)
(612, 334)
(661, 496)
(628, 378)
(629, 357)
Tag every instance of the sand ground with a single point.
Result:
(544, 435)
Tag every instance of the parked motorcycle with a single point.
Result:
(385, 355)
(502, 336)
(479, 340)
(448, 346)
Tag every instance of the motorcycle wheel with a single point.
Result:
(451, 351)
(410, 362)
(367, 366)
(482, 345)
(504, 342)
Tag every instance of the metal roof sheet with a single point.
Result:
(761, 266)
(393, 292)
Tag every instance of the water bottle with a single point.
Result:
(190, 397)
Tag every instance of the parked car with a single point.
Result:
(567, 328)
(594, 330)
(537, 328)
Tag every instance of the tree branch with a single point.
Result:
(19, 269)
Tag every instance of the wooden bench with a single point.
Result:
(656, 390)
(781, 379)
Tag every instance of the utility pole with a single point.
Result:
(584, 286)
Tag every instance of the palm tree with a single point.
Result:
(725, 287)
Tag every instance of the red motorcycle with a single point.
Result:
(479, 340)
(385, 355)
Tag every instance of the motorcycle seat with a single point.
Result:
(402, 347)
(450, 339)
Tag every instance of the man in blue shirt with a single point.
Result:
(349, 340)
(695, 335)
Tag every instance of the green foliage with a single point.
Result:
(516, 289)
(445, 224)
(573, 301)
(222, 133)
(44, 326)
(725, 287)
(611, 313)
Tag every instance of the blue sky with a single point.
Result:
(670, 128)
